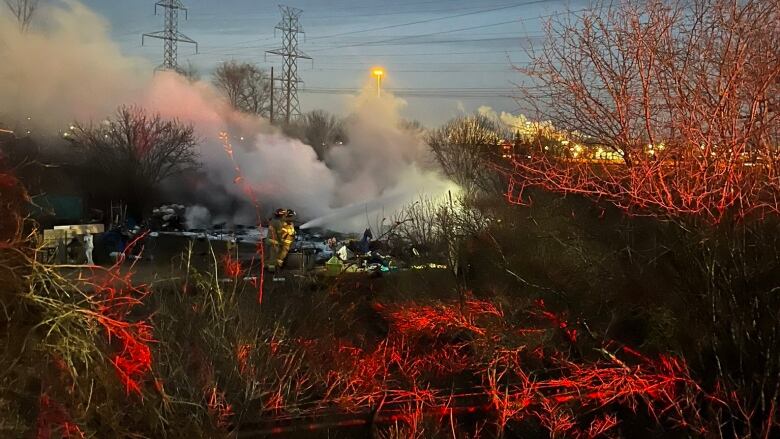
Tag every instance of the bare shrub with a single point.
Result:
(683, 93)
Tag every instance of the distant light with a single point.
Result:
(242, 137)
(72, 127)
(29, 118)
(378, 72)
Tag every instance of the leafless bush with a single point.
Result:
(467, 149)
(133, 152)
(684, 93)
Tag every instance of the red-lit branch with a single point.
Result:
(247, 188)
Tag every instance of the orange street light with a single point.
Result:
(378, 73)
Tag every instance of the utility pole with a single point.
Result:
(290, 27)
(170, 34)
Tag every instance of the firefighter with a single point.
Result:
(286, 237)
(273, 241)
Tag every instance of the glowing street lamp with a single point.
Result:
(378, 73)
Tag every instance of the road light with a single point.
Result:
(378, 73)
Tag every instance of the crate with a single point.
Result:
(299, 261)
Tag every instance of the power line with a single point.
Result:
(431, 20)
(215, 49)
(418, 63)
(384, 14)
(465, 34)
(471, 72)
(446, 53)
(395, 39)
(420, 89)
(422, 35)
(414, 3)
(390, 42)
(465, 92)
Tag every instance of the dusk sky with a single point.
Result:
(424, 45)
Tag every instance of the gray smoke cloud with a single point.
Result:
(197, 217)
(67, 68)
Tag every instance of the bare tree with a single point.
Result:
(321, 130)
(412, 125)
(680, 90)
(246, 86)
(466, 148)
(134, 152)
(23, 10)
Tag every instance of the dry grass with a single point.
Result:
(97, 355)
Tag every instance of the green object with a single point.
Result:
(333, 267)
(60, 207)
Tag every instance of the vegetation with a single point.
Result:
(132, 153)
(23, 10)
(246, 87)
(581, 297)
(195, 357)
(319, 129)
(466, 149)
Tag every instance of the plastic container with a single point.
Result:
(333, 267)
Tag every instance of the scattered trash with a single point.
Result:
(429, 266)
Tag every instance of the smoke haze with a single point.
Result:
(67, 68)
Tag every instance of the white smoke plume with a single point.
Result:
(384, 166)
(282, 171)
(67, 68)
(197, 217)
(64, 68)
(509, 120)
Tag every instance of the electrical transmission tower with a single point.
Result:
(288, 93)
(170, 34)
